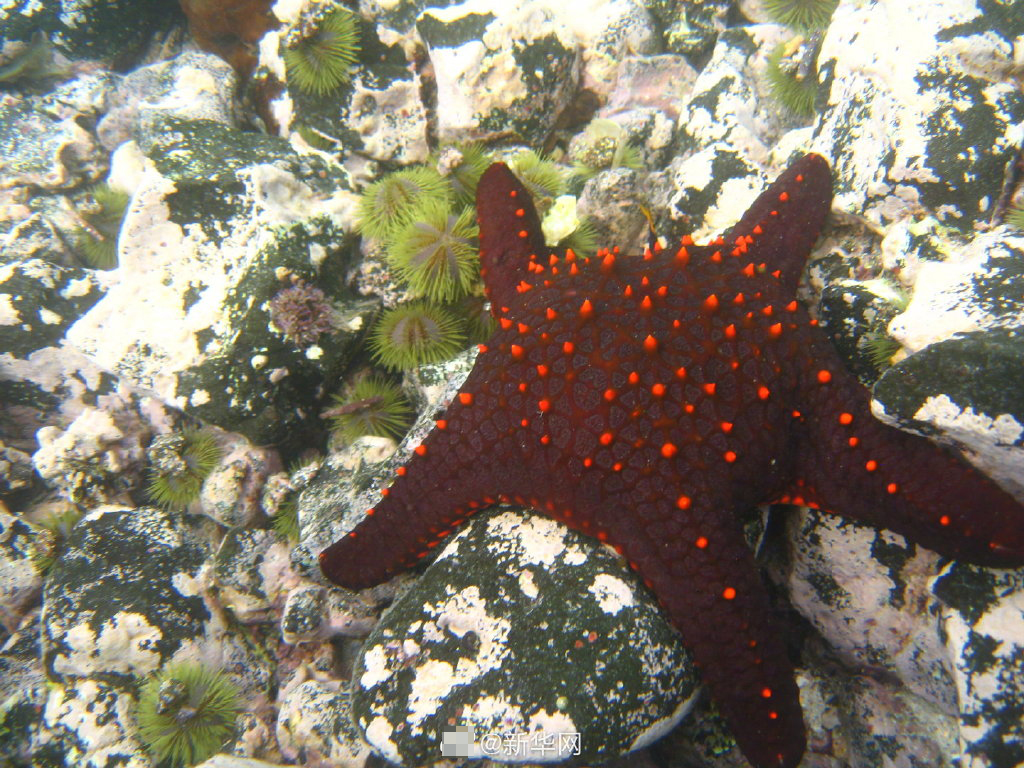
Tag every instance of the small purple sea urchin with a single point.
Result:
(302, 313)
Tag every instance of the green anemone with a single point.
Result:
(374, 406)
(321, 60)
(436, 251)
(389, 203)
(801, 15)
(416, 333)
(186, 712)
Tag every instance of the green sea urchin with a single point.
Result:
(96, 240)
(436, 252)
(286, 520)
(180, 462)
(542, 177)
(374, 406)
(186, 712)
(388, 204)
(880, 348)
(801, 15)
(789, 87)
(321, 60)
(583, 239)
(1015, 216)
(416, 333)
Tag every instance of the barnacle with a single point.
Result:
(436, 252)
(302, 313)
(604, 144)
(186, 712)
(462, 165)
(374, 406)
(789, 86)
(180, 462)
(322, 58)
(801, 15)
(416, 333)
(389, 203)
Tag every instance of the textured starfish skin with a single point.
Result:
(643, 400)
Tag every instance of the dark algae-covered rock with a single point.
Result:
(520, 629)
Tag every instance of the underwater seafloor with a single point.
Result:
(238, 281)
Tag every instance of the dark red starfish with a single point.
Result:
(644, 399)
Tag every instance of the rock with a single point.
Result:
(609, 199)
(500, 68)
(42, 148)
(23, 692)
(230, 495)
(20, 579)
(866, 591)
(725, 133)
(314, 724)
(225, 224)
(233, 761)
(313, 613)
(90, 722)
(253, 574)
(985, 638)
(16, 473)
(39, 300)
(969, 390)
(691, 29)
(882, 725)
(90, 461)
(853, 312)
(128, 594)
(978, 287)
(519, 631)
(662, 83)
(191, 86)
(925, 128)
(113, 30)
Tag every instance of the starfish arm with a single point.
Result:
(785, 220)
(510, 235)
(445, 480)
(852, 463)
(699, 565)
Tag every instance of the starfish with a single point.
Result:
(644, 399)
